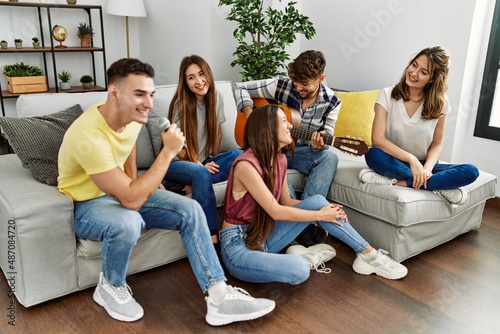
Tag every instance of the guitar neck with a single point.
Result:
(301, 133)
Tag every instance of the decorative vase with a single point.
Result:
(65, 85)
(87, 85)
(71, 2)
(85, 41)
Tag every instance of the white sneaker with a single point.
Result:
(316, 255)
(382, 265)
(368, 175)
(117, 301)
(237, 305)
(454, 196)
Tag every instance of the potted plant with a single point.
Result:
(4, 44)
(64, 76)
(85, 33)
(262, 36)
(86, 81)
(36, 42)
(23, 78)
(18, 43)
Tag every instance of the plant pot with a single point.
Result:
(13, 0)
(87, 85)
(71, 2)
(4, 45)
(65, 85)
(33, 84)
(85, 41)
(19, 45)
(36, 45)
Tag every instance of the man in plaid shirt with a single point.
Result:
(318, 106)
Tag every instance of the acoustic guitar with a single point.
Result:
(349, 145)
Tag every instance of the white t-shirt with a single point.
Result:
(414, 134)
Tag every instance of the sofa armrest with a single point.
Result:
(36, 221)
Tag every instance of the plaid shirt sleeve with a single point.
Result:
(245, 91)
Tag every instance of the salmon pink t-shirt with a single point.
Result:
(241, 211)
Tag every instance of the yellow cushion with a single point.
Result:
(356, 115)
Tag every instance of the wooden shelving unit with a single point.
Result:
(49, 51)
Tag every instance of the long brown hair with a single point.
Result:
(262, 137)
(436, 88)
(187, 104)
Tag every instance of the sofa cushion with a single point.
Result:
(145, 155)
(356, 115)
(161, 103)
(36, 141)
(36, 105)
(401, 206)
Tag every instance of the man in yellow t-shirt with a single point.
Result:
(113, 205)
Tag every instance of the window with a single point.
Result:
(488, 114)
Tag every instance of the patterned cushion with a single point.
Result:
(36, 141)
(356, 115)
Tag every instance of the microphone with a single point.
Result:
(163, 124)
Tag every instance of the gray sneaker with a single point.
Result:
(368, 175)
(117, 301)
(316, 255)
(382, 265)
(237, 305)
(454, 196)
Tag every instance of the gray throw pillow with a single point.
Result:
(36, 141)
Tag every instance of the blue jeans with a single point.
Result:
(200, 180)
(320, 166)
(268, 266)
(105, 219)
(445, 176)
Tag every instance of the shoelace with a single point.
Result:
(321, 268)
(384, 256)
(239, 293)
(122, 292)
(378, 179)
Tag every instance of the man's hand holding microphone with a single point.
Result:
(172, 137)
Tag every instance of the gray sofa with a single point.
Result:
(47, 260)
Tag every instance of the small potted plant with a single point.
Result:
(85, 33)
(36, 42)
(18, 43)
(4, 44)
(64, 76)
(86, 81)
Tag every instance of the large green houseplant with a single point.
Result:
(262, 35)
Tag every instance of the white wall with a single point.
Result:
(483, 152)
(367, 44)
